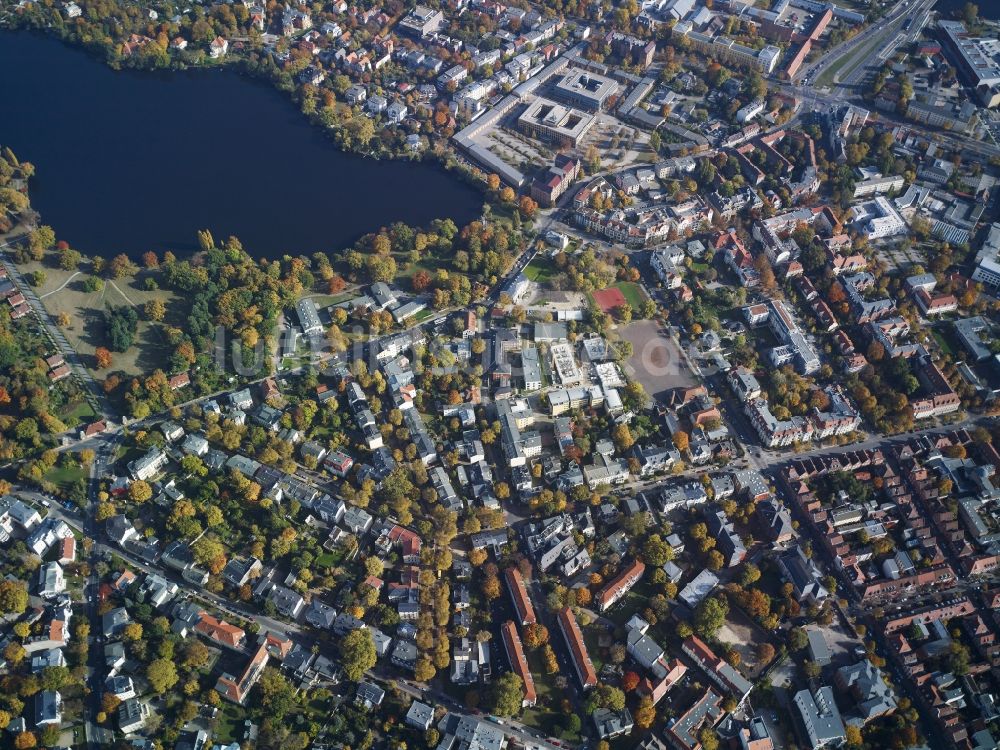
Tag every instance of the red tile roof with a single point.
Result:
(278, 645)
(57, 630)
(519, 594)
(518, 662)
(67, 548)
(220, 631)
(95, 428)
(577, 648)
(621, 584)
(237, 688)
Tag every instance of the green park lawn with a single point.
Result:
(65, 476)
(540, 270)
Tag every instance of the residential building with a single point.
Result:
(220, 631)
(610, 724)
(987, 261)
(237, 688)
(820, 717)
(308, 316)
(459, 732)
(518, 662)
(132, 715)
(620, 585)
(717, 669)
(873, 697)
(571, 632)
(51, 581)
(978, 58)
(48, 708)
(149, 465)
(420, 716)
(705, 712)
(519, 596)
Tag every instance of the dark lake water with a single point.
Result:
(987, 8)
(134, 161)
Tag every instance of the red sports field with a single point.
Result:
(609, 299)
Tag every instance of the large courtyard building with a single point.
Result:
(585, 90)
(978, 58)
(555, 123)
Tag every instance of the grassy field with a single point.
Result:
(77, 413)
(591, 637)
(65, 476)
(632, 292)
(423, 315)
(548, 715)
(541, 269)
(229, 718)
(325, 300)
(63, 292)
(942, 342)
(326, 560)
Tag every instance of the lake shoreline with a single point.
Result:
(406, 187)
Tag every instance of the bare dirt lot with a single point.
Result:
(743, 635)
(655, 362)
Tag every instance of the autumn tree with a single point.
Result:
(527, 207)
(853, 736)
(708, 738)
(764, 270)
(162, 675)
(335, 284)
(764, 653)
(13, 596)
(656, 552)
(535, 635)
(121, 266)
(357, 653)
(421, 281)
(196, 654)
(750, 574)
(14, 653)
(622, 436)
(507, 695)
(102, 356)
(709, 615)
(155, 309)
(132, 631)
(491, 587)
(645, 713)
(681, 440)
(424, 670)
(140, 491)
